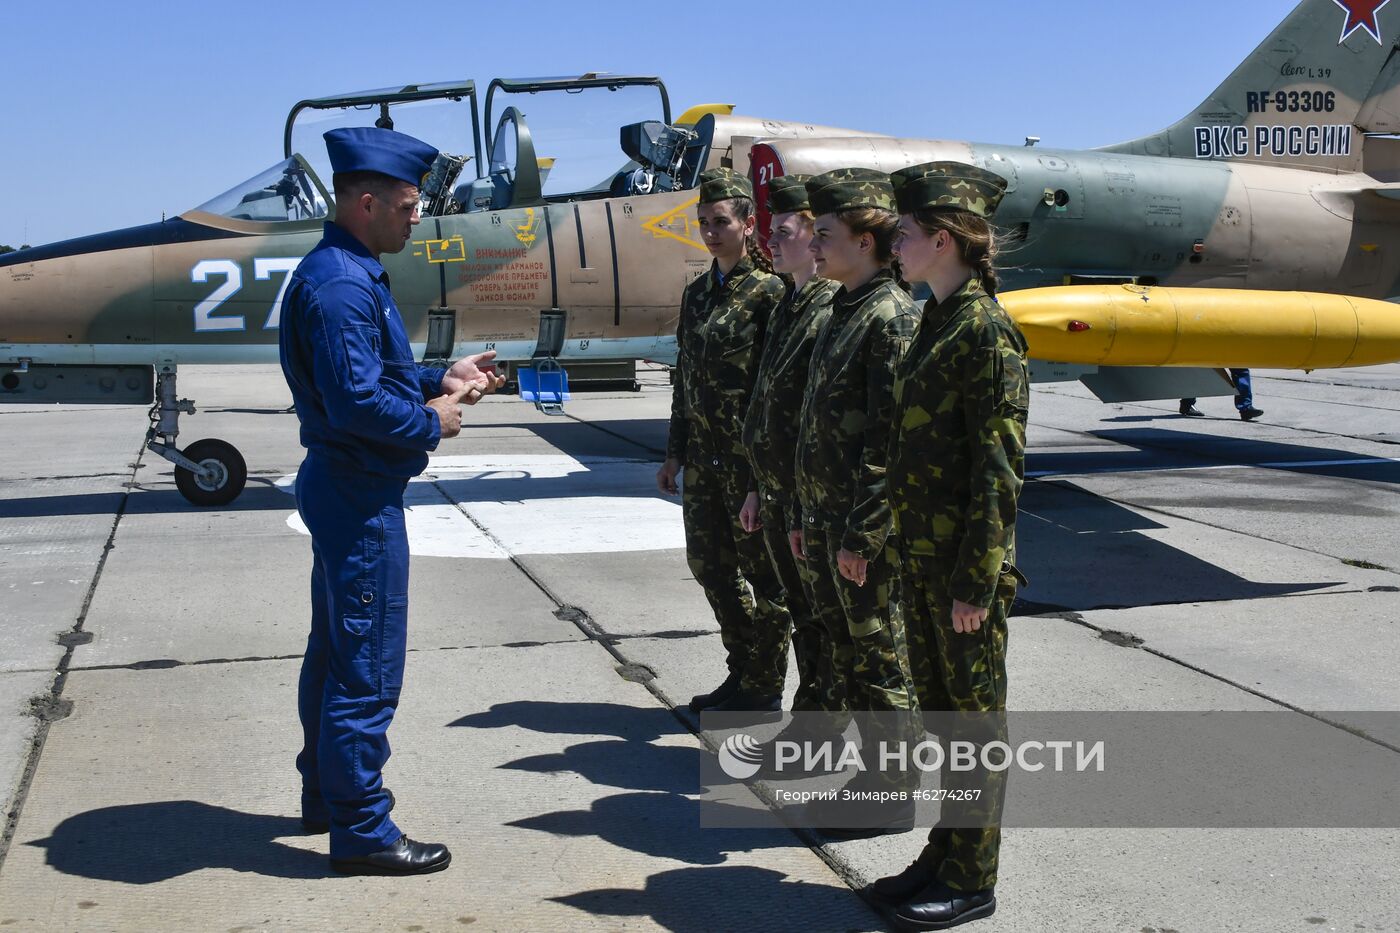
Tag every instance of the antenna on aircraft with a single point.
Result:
(1032, 140)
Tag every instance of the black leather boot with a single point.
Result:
(404, 857)
(744, 701)
(894, 890)
(718, 695)
(939, 907)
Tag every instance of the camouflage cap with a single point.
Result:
(948, 184)
(850, 187)
(788, 193)
(721, 184)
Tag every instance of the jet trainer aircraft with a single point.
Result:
(1259, 230)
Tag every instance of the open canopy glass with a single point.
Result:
(287, 191)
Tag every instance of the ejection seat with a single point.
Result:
(515, 170)
(666, 158)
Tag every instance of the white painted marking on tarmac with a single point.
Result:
(1275, 465)
(534, 504)
(1366, 461)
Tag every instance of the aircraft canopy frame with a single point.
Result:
(592, 79)
(442, 90)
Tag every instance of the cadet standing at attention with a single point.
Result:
(842, 516)
(955, 470)
(724, 317)
(369, 414)
(770, 431)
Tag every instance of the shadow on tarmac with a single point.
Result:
(1158, 449)
(701, 900)
(152, 842)
(659, 819)
(1081, 553)
(641, 437)
(664, 825)
(162, 501)
(628, 765)
(625, 722)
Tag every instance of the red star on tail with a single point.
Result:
(1362, 14)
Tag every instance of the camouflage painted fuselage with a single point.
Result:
(208, 289)
(1102, 215)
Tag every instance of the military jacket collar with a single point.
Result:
(736, 275)
(938, 313)
(848, 299)
(342, 239)
(798, 297)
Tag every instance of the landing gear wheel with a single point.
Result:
(227, 473)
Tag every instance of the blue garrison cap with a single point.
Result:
(371, 149)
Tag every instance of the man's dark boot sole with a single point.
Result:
(364, 868)
(976, 913)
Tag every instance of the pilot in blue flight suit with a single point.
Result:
(369, 415)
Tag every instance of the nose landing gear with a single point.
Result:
(208, 472)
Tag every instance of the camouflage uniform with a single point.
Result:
(770, 437)
(955, 470)
(840, 466)
(720, 335)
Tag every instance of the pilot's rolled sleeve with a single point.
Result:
(347, 367)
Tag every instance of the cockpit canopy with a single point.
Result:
(287, 191)
(591, 136)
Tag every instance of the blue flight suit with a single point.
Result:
(1244, 391)
(360, 396)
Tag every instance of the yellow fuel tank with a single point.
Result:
(1133, 325)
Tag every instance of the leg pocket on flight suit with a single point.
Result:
(393, 644)
(354, 644)
(359, 624)
(361, 608)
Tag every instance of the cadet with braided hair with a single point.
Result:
(955, 470)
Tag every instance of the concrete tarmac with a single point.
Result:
(149, 653)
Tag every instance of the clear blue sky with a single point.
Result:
(116, 112)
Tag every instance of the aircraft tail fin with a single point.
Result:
(1304, 98)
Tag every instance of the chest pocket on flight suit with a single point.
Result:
(362, 343)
